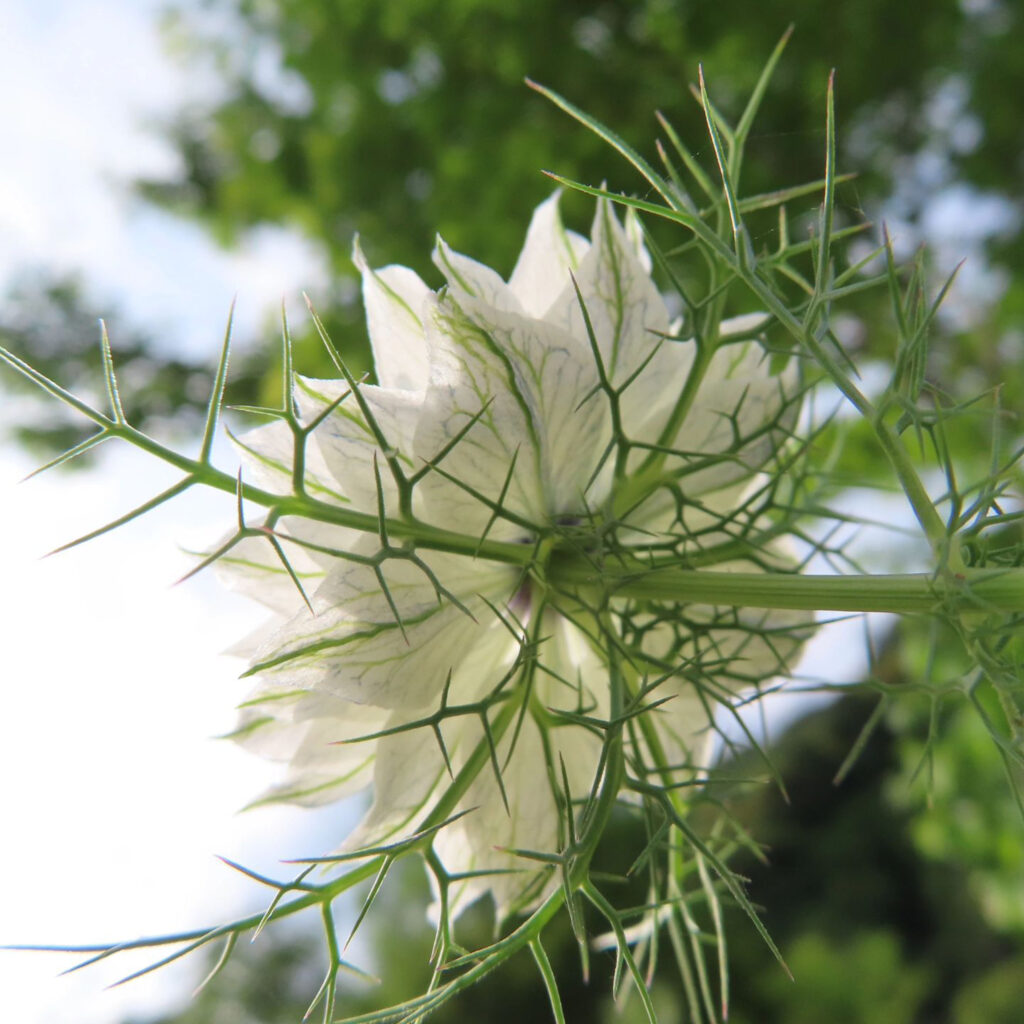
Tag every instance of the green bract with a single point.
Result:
(558, 412)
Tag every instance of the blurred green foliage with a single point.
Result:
(866, 978)
(404, 118)
(963, 796)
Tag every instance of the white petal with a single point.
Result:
(349, 446)
(573, 677)
(472, 379)
(684, 730)
(411, 773)
(407, 777)
(720, 651)
(394, 297)
(531, 778)
(745, 324)
(468, 278)
(355, 648)
(257, 568)
(550, 253)
(741, 418)
(635, 234)
(268, 454)
(553, 379)
(629, 321)
(254, 567)
(727, 653)
(307, 732)
(623, 304)
(474, 843)
(694, 522)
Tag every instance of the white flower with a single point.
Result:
(389, 642)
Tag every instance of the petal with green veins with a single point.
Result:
(394, 298)
(469, 279)
(355, 648)
(550, 254)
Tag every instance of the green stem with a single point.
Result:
(977, 590)
(969, 590)
(307, 507)
(613, 760)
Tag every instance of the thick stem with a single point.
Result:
(978, 590)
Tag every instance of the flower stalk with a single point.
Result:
(974, 590)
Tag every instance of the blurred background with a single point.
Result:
(160, 158)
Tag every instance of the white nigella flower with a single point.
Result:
(423, 650)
